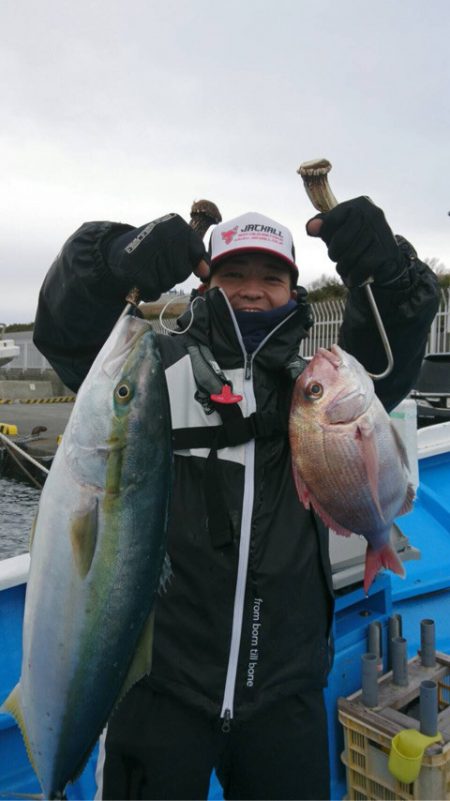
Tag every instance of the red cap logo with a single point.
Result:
(228, 236)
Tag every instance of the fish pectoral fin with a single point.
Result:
(366, 435)
(142, 659)
(83, 537)
(13, 707)
(408, 503)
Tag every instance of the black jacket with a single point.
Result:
(247, 616)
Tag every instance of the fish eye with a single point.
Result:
(123, 392)
(314, 390)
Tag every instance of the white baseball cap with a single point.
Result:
(252, 232)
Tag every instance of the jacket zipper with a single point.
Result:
(227, 712)
(248, 367)
(244, 549)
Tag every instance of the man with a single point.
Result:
(241, 645)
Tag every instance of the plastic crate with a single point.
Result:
(368, 735)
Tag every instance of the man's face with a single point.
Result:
(254, 281)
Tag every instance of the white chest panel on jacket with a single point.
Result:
(188, 413)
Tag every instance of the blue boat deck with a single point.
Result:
(424, 593)
(428, 529)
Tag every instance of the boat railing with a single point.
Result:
(14, 571)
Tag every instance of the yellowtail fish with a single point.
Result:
(97, 557)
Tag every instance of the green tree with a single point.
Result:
(326, 288)
(19, 327)
(441, 271)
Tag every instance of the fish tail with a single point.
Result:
(375, 560)
(13, 707)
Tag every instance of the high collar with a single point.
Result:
(256, 325)
(215, 325)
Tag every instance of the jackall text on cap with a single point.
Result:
(252, 231)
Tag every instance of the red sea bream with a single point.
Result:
(349, 462)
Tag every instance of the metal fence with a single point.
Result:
(439, 337)
(327, 321)
(328, 318)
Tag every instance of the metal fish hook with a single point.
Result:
(315, 179)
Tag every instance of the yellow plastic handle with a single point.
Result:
(407, 750)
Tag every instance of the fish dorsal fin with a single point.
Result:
(366, 434)
(400, 446)
(142, 659)
(83, 537)
(13, 706)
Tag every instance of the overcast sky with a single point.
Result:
(127, 110)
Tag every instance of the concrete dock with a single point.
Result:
(38, 427)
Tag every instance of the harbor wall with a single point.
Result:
(30, 383)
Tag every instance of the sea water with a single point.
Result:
(18, 507)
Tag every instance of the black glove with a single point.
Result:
(361, 243)
(155, 256)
